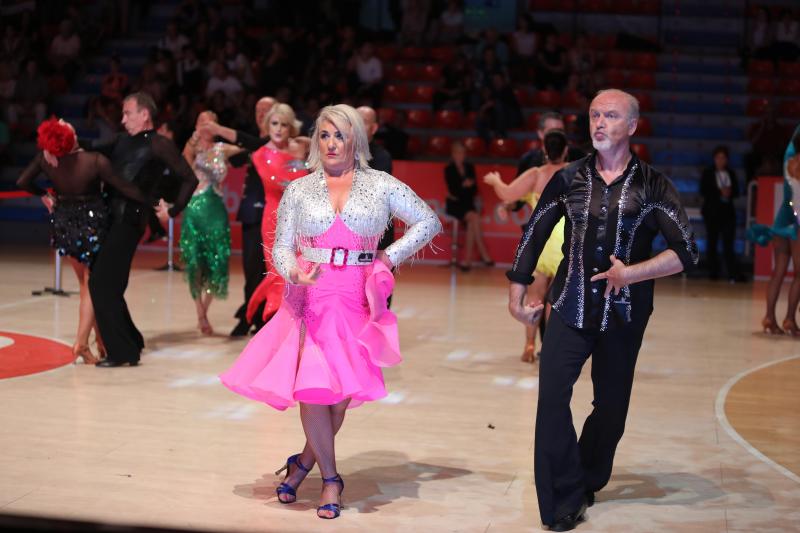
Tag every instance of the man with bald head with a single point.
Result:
(381, 160)
(602, 297)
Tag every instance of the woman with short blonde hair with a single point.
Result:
(326, 345)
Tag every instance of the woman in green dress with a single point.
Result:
(205, 232)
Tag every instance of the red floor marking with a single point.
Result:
(29, 355)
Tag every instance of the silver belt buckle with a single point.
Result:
(339, 256)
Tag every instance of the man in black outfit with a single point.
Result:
(719, 188)
(381, 160)
(139, 156)
(614, 205)
(251, 211)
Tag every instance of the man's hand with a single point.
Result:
(298, 277)
(492, 178)
(162, 212)
(616, 277)
(209, 128)
(528, 314)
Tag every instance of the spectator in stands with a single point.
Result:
(190, 73)
(499, 109)
(394, 137)
(30, 95)
(239, 64)
(462, 188)
(103, 117)
(451, 23)
(12, 47)
(415, 20)
(274, 69)
(368, 71)
(488, 66)
(201, 42)
(719, 189)
(491, 39)
(65, 50)
(552, 68)
(582, 64)
(173, 41)
(523, 40)
(549, 120)
(115, 84)
(760, 41)
(456, 85)
(221, 80)
(149, 83)
(787, 37)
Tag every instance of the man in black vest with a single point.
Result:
(139, 156)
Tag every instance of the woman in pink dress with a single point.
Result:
(325, 346)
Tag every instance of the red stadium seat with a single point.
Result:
(475, 146)
(504, 148)
(615, 78)
(523, 96)
(761, 68)
(571, 100)
(789, 87)
(645, 61)
(386, 114)
(645, 102)
(395, 93)
(602, 42)
(414, 147)
(443, 54)
(757, 106)
(533, 144)
(641, 151)
(533, 122)
(644, 128)
(402, 71)
(430, 72)
(596, 6)
(549, 99)
(616, 59)
(439, 145)
(448, 120)
(789, 69)
(470, 120)
(789, 108)
(642, 80)
(386, 52)
(418, 118)
(761, 86)
(422, 94)
(412, 53)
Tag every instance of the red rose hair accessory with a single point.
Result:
(55, 136)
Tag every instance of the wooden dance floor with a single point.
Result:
(712, 441)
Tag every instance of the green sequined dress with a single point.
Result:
(205, 232)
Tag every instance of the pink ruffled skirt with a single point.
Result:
(327, 342)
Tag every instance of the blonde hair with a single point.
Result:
(286, 111)
(350, 124)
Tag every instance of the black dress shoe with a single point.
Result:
(569, 522)
(108, 363)
(241, 329)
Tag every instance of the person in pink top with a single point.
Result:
(332, 334)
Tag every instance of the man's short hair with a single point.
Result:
(721, 149)
(144, 101)
(633, 102)
(549, 115)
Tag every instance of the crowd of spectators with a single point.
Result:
(774, 35)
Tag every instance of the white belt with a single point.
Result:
(338, 256)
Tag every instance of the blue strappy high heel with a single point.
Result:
(334, 508)
(285, 488)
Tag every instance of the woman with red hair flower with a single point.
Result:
(78, 211)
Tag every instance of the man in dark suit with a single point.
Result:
(719, 188)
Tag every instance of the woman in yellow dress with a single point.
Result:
(528, 186)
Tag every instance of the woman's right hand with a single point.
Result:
(298, 277)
